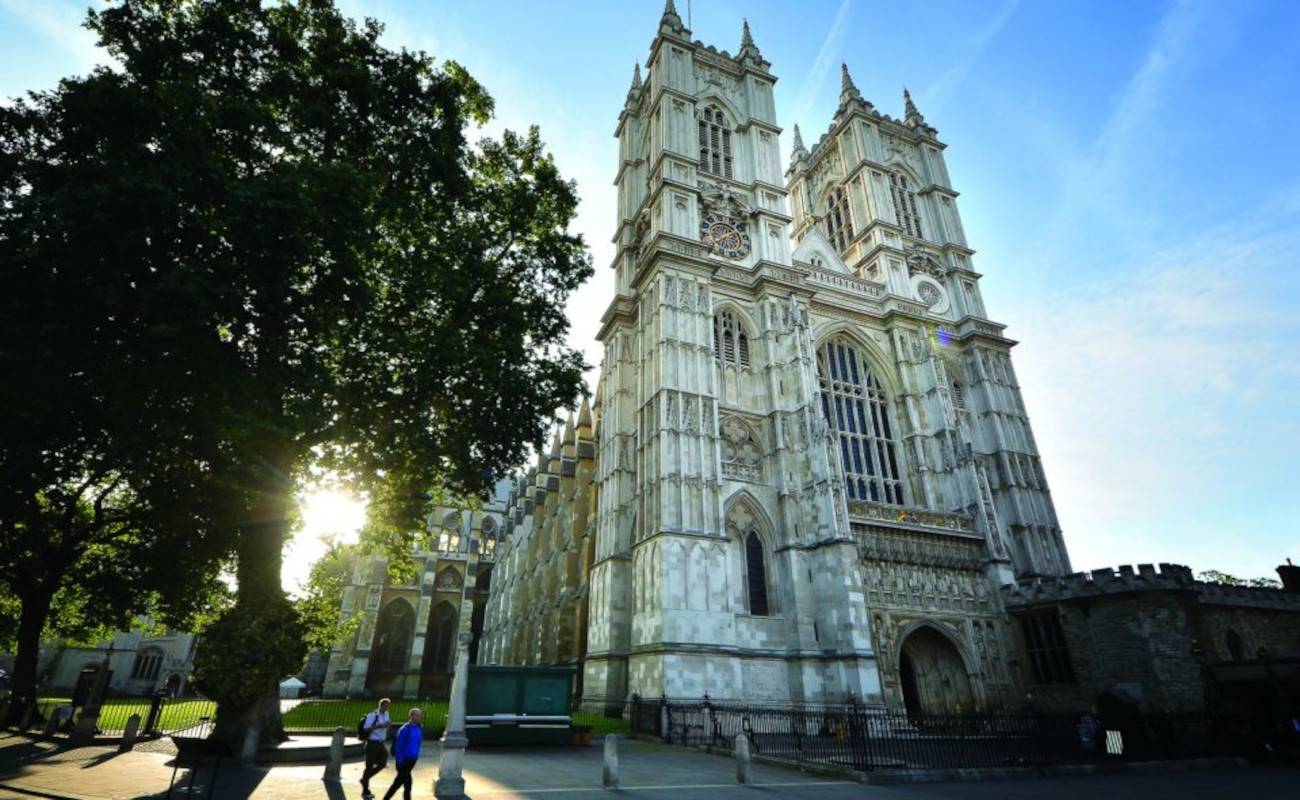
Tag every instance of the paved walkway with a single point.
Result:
(649, 772)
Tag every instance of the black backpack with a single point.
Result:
(361, 726)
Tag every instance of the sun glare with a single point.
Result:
(329, 514)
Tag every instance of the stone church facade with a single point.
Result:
(807, 473)
(812, 466)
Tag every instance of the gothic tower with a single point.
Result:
(724, 561)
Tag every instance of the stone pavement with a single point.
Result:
(649, 772)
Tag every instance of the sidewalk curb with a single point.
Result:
(977, 774)
(13, 787)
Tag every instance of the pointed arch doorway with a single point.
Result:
(933, 675)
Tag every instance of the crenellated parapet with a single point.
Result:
(1145, 578)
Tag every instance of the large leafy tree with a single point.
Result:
(332, 274)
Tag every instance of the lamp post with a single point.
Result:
(450, 784)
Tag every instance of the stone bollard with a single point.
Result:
(609, 776)
(248, 755)
(56, 717)
(128, 735)
(744, 765)
(334, 769)
(26, 722)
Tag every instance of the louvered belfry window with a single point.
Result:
(909, 219)
(857, 409)
(839, 225)
(730, 344)
(715, 142)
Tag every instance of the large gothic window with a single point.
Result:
(442, 638)
(730, 344)
(839, 225)
(909, 219)
(756, 574)
(715, 142)
(857, 408)
(393, 635)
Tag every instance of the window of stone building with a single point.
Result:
(442, 634)
(730, 343)
(1049, 657)
(393, 634)
(958, 396)
(857, 408)
(839, 223)
(909, 219)
(756, 574)
(148, 662)
(1236, 648)
(715, 142)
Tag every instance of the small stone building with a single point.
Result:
(1155, 638)
(140, 663)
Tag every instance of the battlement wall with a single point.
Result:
(1145, 578)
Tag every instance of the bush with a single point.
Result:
(247, 651)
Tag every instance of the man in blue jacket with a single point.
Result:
(406, 751)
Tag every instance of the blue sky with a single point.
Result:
(1129, 178)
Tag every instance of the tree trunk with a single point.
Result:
(260, 557)
(35, 611)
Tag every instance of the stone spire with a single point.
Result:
(670, 20)
(634, 91)
(849, 93)
(911, 115)
(799, 153)
(584, 420)
(749, 51)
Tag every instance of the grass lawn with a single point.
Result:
(326, 715)
(176, 714)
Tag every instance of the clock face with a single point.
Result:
(724, 236)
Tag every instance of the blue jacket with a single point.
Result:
(409, 738)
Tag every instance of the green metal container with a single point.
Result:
(518, 705)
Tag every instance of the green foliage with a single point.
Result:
(247, 649)
(1215, 576)
(262, 244)
(320, 606)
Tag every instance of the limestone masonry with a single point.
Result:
(808, 471)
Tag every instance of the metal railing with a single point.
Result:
(855, 737)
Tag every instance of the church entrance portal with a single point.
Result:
(933, 675)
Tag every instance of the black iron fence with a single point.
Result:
(860, 738)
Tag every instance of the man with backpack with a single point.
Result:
(406, 751)
(374, 730)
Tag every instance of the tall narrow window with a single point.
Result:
(715, 142)
(958, 396)
(147, 664)
(857, 408)
(756, 573)
(909, 219)
(442, 633)
(393, 634)
(730, 344)
(839, 225)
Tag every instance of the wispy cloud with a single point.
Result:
(823, 66)
(1165, 379)
(939, 89)
(62, 22)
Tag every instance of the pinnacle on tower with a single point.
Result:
(799, 153)
(584, 416)
(912, 116)
(848, 89)
(798, 140)
(747, 47)
(671, 19)
(555, 443)
(570, 431)
(636, 75)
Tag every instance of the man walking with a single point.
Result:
(375, 727)
(406, 751)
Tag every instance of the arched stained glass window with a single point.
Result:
(730, 343)
(393, 634)
(857, 408)
(909, 219)
(756, 574)
(715, 142)
(839, 224)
